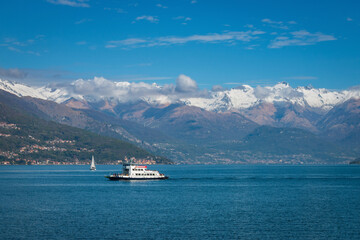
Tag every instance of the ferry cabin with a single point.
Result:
(139, 171)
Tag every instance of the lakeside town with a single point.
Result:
(34, 151)
(22, 161)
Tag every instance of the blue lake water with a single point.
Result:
(197, 202)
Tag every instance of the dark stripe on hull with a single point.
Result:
(129, 179)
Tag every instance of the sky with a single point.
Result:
(225, 43)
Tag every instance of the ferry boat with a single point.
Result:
(136, 172)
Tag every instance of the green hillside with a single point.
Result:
(25, 138)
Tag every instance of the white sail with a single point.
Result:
(92, 166)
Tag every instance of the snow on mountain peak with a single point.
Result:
(245, 96)
(241, 97)
(21, 90)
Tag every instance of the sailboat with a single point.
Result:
(92, 166)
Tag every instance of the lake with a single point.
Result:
(197, 202)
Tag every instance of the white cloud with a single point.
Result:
(251, 47)
(84, 20)
(228, 37)
(233, 83)
(12, 73)
(277, 24)
(81, 43)
(15, 42)
(153, 19)
(249, 37)
(138, 65)
(137, 78)
(71, 3)
(110, 46)
(267, 20)
(183, 19)
(217, 88)
(185, 84)
(100, 88)
(15, 45)
(300, 38)
(178, 17)
(349, 19)
(301, 78)
(161, 6)
(118, 10)
(126, 42)
(279, 91)
(14, 49)
(261, 92)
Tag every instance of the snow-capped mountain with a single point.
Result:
(243, 97)
(240, 121)
(21, 90)
(247, 96)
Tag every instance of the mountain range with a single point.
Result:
(27, 139)
(277, 124)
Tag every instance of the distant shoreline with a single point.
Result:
(195, 164)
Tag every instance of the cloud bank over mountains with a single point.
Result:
(185, 91)
(100, 88)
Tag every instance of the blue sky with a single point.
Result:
(228, 43)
